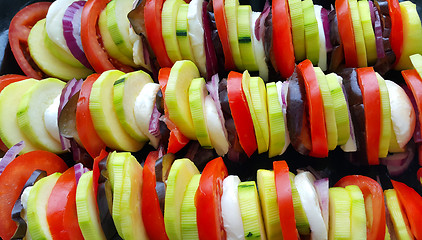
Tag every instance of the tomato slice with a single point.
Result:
(411, 201)
(347, 35)
(414, 82)
(396, 35)
(61, 208)
(285, 200)
(208, 201)
(176, 140)
(221, 22)
(240, 113)
(282, 38)
(19, 29)
(13, 179)
(316, 110)
(370, 189)
(96, 170)
(91, 39)
(152, 18)
(4, 81)
(84, 125)
(151, 212)
(368, 83)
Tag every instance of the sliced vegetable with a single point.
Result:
(396, 36)
(222, 29)
(168, 28)
(230, 209)
(230, 7)
(275, 121)
(282, 38)
(357, 212)
(400, 222)
(312, 44)
(188, 210)
(340, 207)
(347, 36)
(208, 201)
(298, 29)
(359, 34)
(368, 83)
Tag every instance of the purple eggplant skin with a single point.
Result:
(297, 115)
(105, 203)
(357, 112)
(20, 232)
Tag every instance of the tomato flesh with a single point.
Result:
(285, 200)
(240, 113)
(208, 201)
(347, 35)
(13, 179)
(396, 36)
(221, 22)
(19, 30)
(61, 208)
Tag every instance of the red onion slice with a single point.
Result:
(79, 171)
(211, 57)
(10, 155)
(72, 87)
(371, 10)
(212, 88)
(260, 21)
(398, 163)
(377, 31)
(321, 186)
(154, 123)
(72, 31)
(326, 25)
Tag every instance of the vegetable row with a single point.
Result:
(79, 37)
(120, 199)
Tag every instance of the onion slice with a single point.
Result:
(79, 171)
(326, 26)
(154, 123)
(211, 57)
(71, 88)
(230, 209)
(260, 22)
(72, 31)
(322, 186)
(10, 155)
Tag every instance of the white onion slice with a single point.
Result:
(258, 48)
(51, 119)
(196, 34)
(230, 209)
(282, 88)
(215, 129)
(304, 182)
(322, 62)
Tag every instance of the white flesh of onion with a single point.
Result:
(196, 34)
(54, 23)
(215, 128)
(322, 62)
(284, 88)
(144, 104)
(258, 48)
(402, 113)
(230, 209)
(304, 182)
(51, 119)
(350, 145)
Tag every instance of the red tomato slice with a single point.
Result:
(240, 113)
(163, 77)
(316, 110)
(13, 179)
(347, 35)
(96, 170)
(221, 22)
(151, 212)
(19, 29)
(411, 201)
(414, 82)
(284, 200)
(370, 189)
(61, 208)
(4, 81)
(368, 83)
(208, 201)
(84, 125)
(152, 18)
(396, 35)
(91, 39)
(282, 38)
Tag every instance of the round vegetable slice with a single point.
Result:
(15, 176)
(396, 36)
(19, 29)
(368, 83)
(347, 36)
(282, 38)
(208, 201)
(221, 22)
